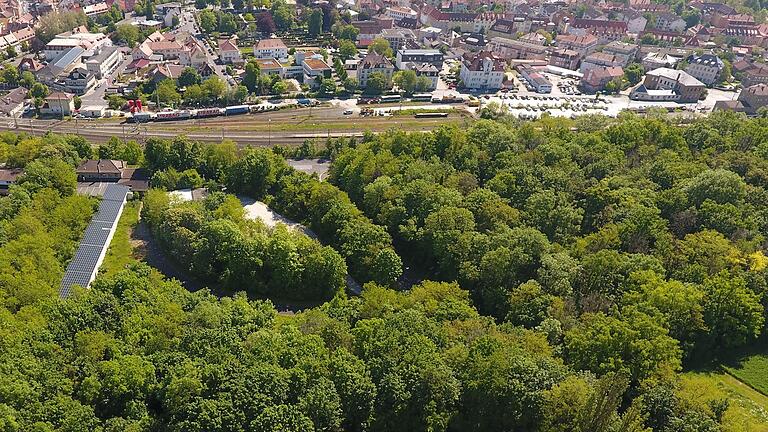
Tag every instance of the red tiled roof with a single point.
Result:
(270, 44)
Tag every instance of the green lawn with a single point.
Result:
(120, 252)
(753, 370)
(748, 409)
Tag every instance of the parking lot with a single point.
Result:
(531, 105)
(566, 100)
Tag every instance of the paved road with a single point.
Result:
(187, 23)
(95, 96)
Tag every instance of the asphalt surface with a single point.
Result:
(95, 96)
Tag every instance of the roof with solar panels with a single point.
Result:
(84, 266)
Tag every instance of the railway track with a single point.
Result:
(233, 128)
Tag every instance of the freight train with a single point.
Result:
(172, 114)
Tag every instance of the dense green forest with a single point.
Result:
(576, 268)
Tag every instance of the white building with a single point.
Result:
(397, 13)
(64, 42)
(229, 52)
(536, 80)
(374, 62)
(104, 62)
(705, 68)
(270, 49)
(482, 72)
(670, 22)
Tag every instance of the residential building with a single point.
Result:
(79, 80)
(142, 51)
(169, 50)
(146, 25)
(370, 30)
(270, 49)
(101, 170)
(104, 62)
(565, 58)
(398, 38)
(636, 21)
(270, 67)
(664, 84)
(733, 20)
(8, 177)
(582, 44)
(30, 64)
(756, 73)
(534, 38)
(430, 16)
(516, 49)
(482, 71)
(624, 52)
(58, 104)
(431, 56)
(12, 103)
(509, 28)
(229, 52)
(700, 31)
(705, 68)
(596, 79)
(648, 6)
(537, 81)
(113, 171)
(373, 62)
(599, 60)
(96, 9)
(670, 22)
(54, 49)
(167, 71)
(397, 13)
(169, 11)
(655, 60)
(604, 30)
(193, 54)
(314, 69)
(754, 97)
(428, 70)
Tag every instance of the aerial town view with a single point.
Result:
(383, 215)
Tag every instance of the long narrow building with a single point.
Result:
(93, 247)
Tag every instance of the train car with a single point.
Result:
(431, 114)
(142, 117)
(173, 115)
(422, 97)
(208, 112)
(391, 98)
(237, 109)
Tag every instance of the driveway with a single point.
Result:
(95, 96)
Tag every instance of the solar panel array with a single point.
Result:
(82, 269)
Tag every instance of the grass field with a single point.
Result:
(120, 252)
(748, 409)
(752, 370)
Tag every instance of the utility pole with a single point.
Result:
(269, 135)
